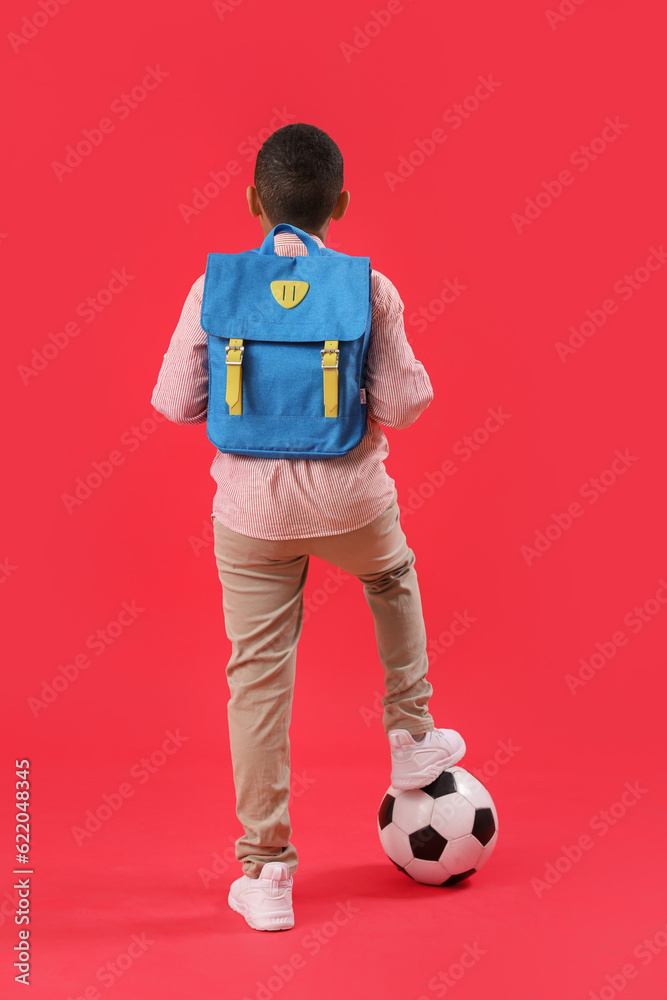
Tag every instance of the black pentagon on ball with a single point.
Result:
(427, 844)
(386, 811)
(453, 879)
(444, 784)
(484, 826)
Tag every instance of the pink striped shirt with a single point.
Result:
(283, 498)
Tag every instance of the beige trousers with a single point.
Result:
(262, 598)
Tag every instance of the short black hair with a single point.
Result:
(299, 176)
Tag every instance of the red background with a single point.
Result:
(134, 538)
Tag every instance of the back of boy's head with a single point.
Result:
(299, 176)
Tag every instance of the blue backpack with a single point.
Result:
(287, 345)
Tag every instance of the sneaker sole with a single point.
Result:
(418, 779)
(279, 922)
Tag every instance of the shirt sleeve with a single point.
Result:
(181, 392)
(398, 388)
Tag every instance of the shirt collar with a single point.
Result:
(293, 238)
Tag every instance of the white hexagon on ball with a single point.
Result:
(412, 810)
(471, 788)
(453, 816)
(461, 855)
(428, 872)
(396, 844)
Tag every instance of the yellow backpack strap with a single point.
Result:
(233, 357)
(330, 354)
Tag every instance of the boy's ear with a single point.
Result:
(254, 203)
(340, 208)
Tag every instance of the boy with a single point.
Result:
(269, 515)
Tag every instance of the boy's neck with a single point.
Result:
(321, 233)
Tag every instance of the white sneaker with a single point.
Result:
(265, 902)
(416, 764)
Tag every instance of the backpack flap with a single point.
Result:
(238, 300)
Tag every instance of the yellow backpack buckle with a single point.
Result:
(329, 351)
(330, 377)
(233, 394)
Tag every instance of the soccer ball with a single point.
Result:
(442, 833)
